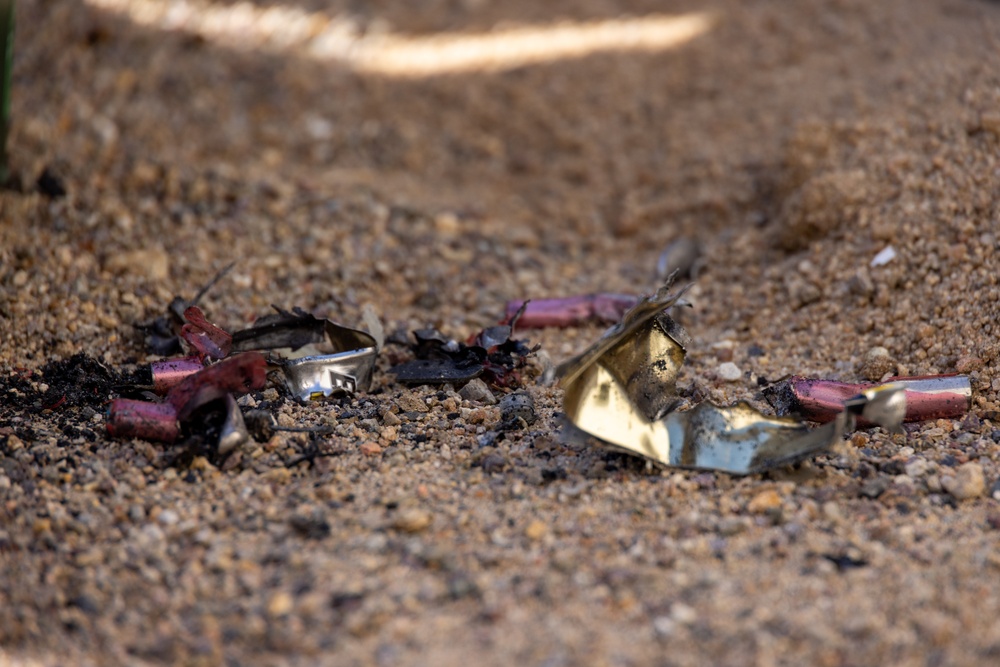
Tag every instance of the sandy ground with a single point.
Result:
(793, 140)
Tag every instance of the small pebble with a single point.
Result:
(884, 256)
(476, 391)
(877, 364)
(874, 488)
(968, 364)
(967, 482)
(412, 520)
(764, 501)
(370, 449)
(729, 372)
(535, 530)
(681, 256)
(280, 604)
(518, 406)
(168, 517)
(917, 468)
(410, 402)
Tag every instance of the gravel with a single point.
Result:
(787, 142)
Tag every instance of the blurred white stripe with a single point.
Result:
(316, 35)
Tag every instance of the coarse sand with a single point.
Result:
(794, 141)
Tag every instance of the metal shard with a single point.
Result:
(622, 391)
(234, 431)
(328, 374)
(347, 369)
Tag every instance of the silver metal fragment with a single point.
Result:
(622, 390)
(318, 357)
(347, 370)
(234, 431)
(682, 256)
(884, 405)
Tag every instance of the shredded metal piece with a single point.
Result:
(622, 390)
(308, 374)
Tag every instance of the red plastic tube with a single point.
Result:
(168, 373)
(927, 397)
(234, 375)
(570, 311)
(208, 339)
(128, 418)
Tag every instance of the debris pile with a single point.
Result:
(621, 390)
(490, 354)
(317, 357)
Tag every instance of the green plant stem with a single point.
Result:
(7, 53)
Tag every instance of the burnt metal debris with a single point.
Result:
(927, 397)
(491, 353)
(317, 356)
(163, 333)
(622, 391)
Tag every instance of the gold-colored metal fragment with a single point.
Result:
(622, 391)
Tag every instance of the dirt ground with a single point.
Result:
(794, 141)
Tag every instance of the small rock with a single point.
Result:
(874, 488)
(764, 501)
(152, 263)
(664, 626)
(493, 462)
(732, 525)
(168, 517)
(916, 468)
(990, 122)
(535, 530)
(412, 520)
(370, 449)
(968, 364)
(311, 524)
(884, 256)
(476, 391)
(410, 402)
(680, 255)
(280, 604)
(518, 406)
(683, 614)
(390, 419)
(729, 372)
(877, 364)
(967, 482)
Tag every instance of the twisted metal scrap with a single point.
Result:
(622, 389)
(347, 369)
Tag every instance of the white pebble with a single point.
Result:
(168, 517)
(884, 256)
(729, 372)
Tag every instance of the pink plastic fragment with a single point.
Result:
(570, 311)
(927, 397)
(128, 418)
(208, 339)
(168, 373)
(234, 375)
